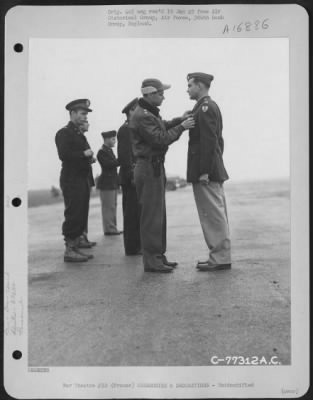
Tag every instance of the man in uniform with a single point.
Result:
(75, 154)
(207, 173)
(130, 204)
(151, 137)
(108, 183)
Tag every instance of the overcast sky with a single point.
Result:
(251, 86)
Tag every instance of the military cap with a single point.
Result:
(153, 85)
(130, 105)
(80, 103)
(205, 78)
(108, 134)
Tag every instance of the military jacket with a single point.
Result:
(71, 144)
(151, 135)
(206, 144)
(108, 180)
(125, 154)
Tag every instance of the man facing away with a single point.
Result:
(206, 172)
(130, 204)
(75, 154)
(151, 137)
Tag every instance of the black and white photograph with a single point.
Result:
(162, 180)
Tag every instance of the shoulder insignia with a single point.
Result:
(205, 107)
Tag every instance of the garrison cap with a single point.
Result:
(130, 105)
(108, 134)
(153, 85)
(80, 103)
(205, 78)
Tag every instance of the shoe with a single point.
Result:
(87, 240)
(89, 256)
(113, 233)
(208, 266)
(203, 262)
(70, 255)
(92, 244)
(83, 243)
(165, 261)
(160, 268)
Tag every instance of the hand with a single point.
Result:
(187, 114)
(188, 123)
(88, 153)
(93, 160)
(204, 179)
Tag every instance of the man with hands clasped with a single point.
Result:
(76, 156)
(206, 172)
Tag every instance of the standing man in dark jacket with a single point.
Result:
(75, 154)
(207, 173)
(151, 138)
(131, 209)
(108, 183)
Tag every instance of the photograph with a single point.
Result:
(191, 182)
(156, 201)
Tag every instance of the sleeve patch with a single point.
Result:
(205, 107)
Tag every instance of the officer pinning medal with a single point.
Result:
(143, 142)
(152, 137)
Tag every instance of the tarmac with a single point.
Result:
(109, 312)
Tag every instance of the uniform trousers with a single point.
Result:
(108, 208)
(87, 215)
(151, 197)
(211, 205)
(76, 197)
(131, 219)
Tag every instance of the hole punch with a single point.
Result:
(18, 47)
(16, 202)
(17, 355)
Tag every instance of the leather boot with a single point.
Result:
(83, 243)
(89, 256)
(77, 249)
(88, 241)
(165, 261)
(70, 254)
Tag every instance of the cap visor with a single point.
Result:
(79, 108)
(165, 86)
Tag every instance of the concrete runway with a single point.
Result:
(108, 312)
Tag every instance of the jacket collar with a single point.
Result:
(153, 109)
(73, 127)
(106, 148)
(200, 101)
